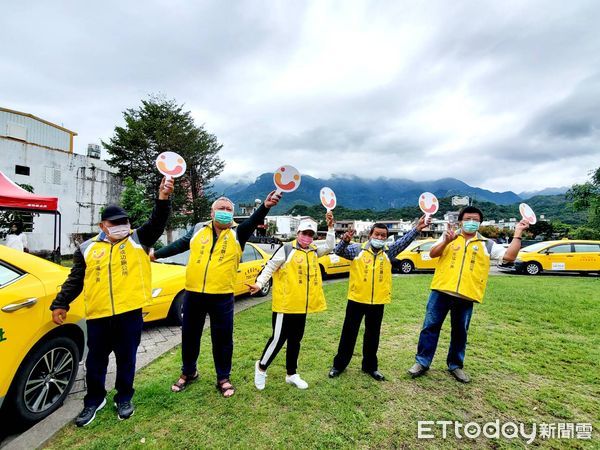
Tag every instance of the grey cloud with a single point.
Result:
(81, 64)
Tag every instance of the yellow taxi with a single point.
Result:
(168, 281)
(38, 360)
(559, 256)
(415, 257)
(333, 264)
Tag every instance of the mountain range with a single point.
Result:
(375, 194)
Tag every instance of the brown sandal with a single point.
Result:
(183, 381)
(225, 386)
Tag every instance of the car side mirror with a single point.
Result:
(418, 250)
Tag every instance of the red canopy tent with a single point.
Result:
(15, 198)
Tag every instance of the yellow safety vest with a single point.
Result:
(371, 277)
(463, 268)
(212, 266)
(118, 277)
(297, 284)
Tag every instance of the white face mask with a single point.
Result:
(119, 231)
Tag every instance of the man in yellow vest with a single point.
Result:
(370, 289)
(459, 281)
(215, 251)
(113, 270)
(297, 291)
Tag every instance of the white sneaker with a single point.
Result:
(296, 381)
(260, 377)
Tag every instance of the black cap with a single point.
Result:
(113, 212)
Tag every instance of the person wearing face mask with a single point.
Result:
(297, 291)
(113, 271)
(370, 289)
(459, 281)
(215, 251)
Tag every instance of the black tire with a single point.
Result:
(533, 268)
(265, 289)
(176, 311)
(406, 266)
(323, 273)
(48, 372)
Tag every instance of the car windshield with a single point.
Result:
(534, 247)
(181, 259)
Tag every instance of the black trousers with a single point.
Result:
(120, 334)
(219, 308)
(355, 312)
(286, 327)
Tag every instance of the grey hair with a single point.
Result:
(212, 207)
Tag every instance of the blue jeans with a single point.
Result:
(219, 307)
(460, 316)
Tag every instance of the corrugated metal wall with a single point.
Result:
(37, 132)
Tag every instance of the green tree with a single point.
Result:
(585, 233)
(541, 228)
(160, 125)
(136, 201)
(560, 229)
(272, 229)
(586, 197)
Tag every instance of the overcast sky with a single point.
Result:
(503, 95)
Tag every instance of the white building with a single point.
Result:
(287, 226)
(39, 153)
(362, 227)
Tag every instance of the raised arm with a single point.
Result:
(326, 248)
(403, 242)
(247, 227)
(344, 248)
(179, 246)
(149, 232)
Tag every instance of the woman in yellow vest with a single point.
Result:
(113, 271)
(370, 289)
(297, 291)
(459, 281)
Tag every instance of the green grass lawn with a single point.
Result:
(533, 355)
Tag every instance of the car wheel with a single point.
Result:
(44, 379)
(176, 311)
(265, 289)
(533, 268)
(406, 266)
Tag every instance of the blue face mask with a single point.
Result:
(224, 217)
(377, 243)
(470, 226)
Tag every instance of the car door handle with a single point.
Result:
(16, 306)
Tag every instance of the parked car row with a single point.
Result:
(548, 256)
